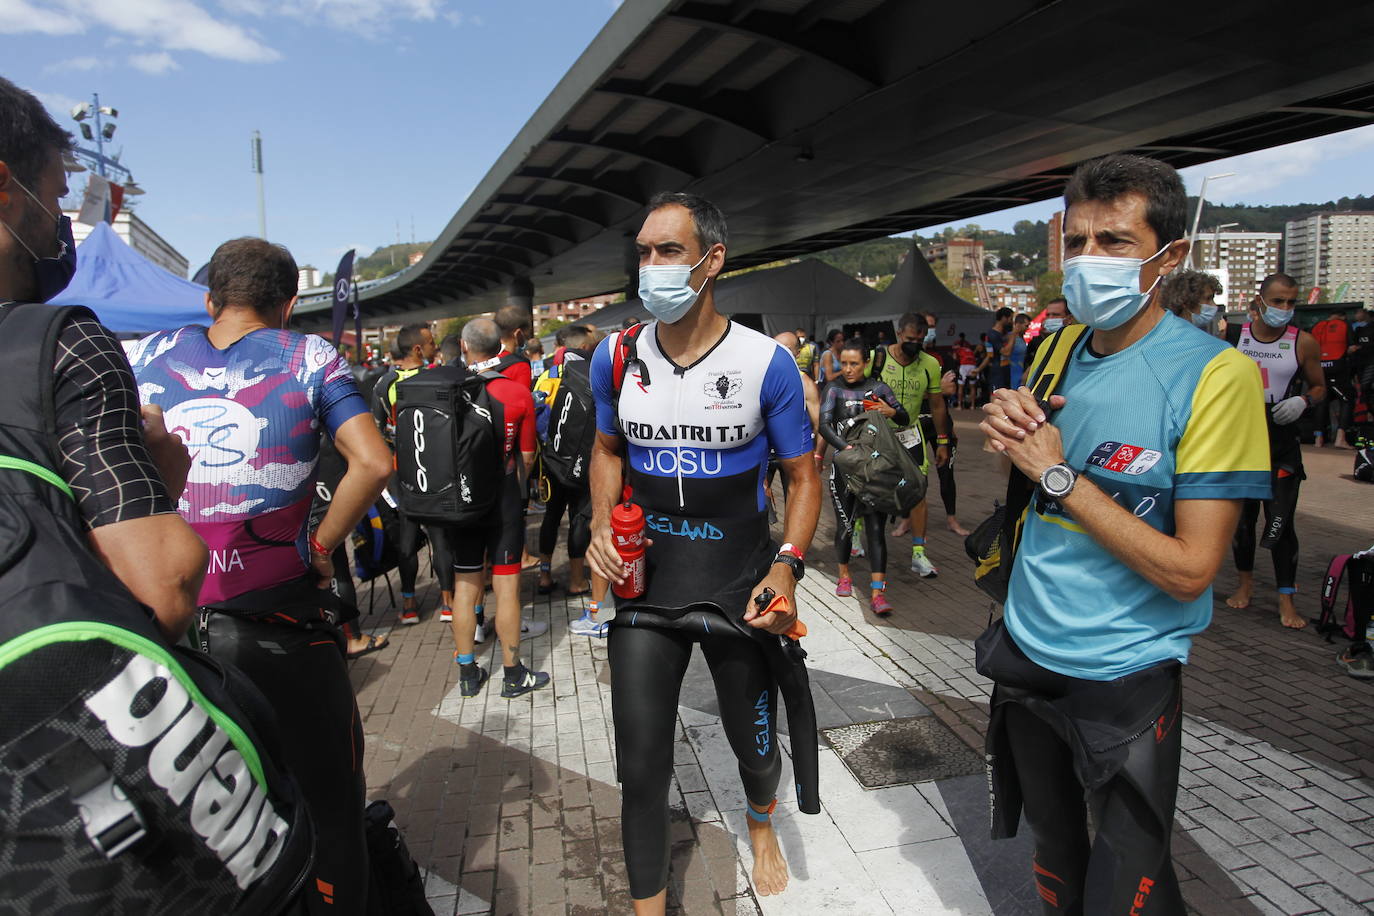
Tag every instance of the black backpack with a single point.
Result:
(135, 776)
(449, 446)
(567, 453)
(878, 469)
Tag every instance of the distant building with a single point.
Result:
(139, 236)
(1330, 249)
(1056, 241)
(307, 277)
(1017, 295)
(1246, 257)
(415, 257)
(570, 310)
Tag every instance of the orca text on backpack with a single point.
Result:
(135, 777)
(567, 453)
(449, 446)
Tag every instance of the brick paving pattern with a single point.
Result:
(513, 807)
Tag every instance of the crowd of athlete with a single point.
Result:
(1156, 453)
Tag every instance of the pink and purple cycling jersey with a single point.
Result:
(251, 416)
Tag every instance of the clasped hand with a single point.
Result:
(1017, 427)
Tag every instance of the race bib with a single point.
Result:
(909, 438)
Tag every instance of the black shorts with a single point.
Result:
(500, 542)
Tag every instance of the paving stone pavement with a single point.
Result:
(512, 806)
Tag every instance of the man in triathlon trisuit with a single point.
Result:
(1286, 357)
(501, 540)
(1157, 437)
(914, 376)
(414, 350)
(689, 425)
(250, 398)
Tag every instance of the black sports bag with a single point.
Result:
(135, 777)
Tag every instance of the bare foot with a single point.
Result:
(903, 527)
(1241, 598)
(770, 869)
(1288, 614)
(952, 524)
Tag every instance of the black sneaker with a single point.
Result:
(471, 677)
(522, 681)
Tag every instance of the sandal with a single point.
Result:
(580, 592)
(542, 589)
(375, 643)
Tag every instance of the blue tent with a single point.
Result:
(129, 293)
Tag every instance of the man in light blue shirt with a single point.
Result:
(1156, 438)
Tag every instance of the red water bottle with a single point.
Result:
(627, 528)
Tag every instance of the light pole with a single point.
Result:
(257, 168)
(1216, 243)
(1197, 214)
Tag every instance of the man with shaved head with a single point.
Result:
(502, 539)
(793, 344)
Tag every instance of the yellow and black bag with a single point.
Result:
(992, 545)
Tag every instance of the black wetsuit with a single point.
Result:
(697, 442)
(841, 402)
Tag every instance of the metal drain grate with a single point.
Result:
(897, 752)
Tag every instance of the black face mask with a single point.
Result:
(911, 347)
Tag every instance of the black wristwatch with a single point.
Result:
(797, 564)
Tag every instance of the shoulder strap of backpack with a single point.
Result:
(28, 349)
(625, 351)
(875, 365)
(1052, 360)
(1331, 586)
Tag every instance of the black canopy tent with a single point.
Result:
(915, 288)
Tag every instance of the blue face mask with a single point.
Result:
(930, 337)
(1104, 293)
(1204, 317)
(1275, 318)
(1050, 325)
(666, 289)
(51, 275)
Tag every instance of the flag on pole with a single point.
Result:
(95, 205)
(343, 293)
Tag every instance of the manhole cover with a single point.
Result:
(896, 752)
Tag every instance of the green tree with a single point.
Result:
(1050, 285)
(451, 326)
(883, 283)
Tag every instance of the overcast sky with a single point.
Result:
(379, 113)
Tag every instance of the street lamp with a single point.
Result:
(1197, 214)
(1216, 243)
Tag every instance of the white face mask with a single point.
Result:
(1104, 293)
(666, 289)
(1050, 325)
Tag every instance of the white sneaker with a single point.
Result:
(483, 629)
(921, 565)
(532, 628)
(586, 625)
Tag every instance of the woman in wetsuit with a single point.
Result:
(849, 396)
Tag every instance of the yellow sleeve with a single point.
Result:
(1224, 452)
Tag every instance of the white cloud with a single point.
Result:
(18, 16)
(59, 106)
(168, 25)
(73, 64)
(363, 17)
(1265, 169)
(156, 63)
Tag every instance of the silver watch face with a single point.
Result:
(1058, 480)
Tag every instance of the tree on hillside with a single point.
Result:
(1049, 285)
